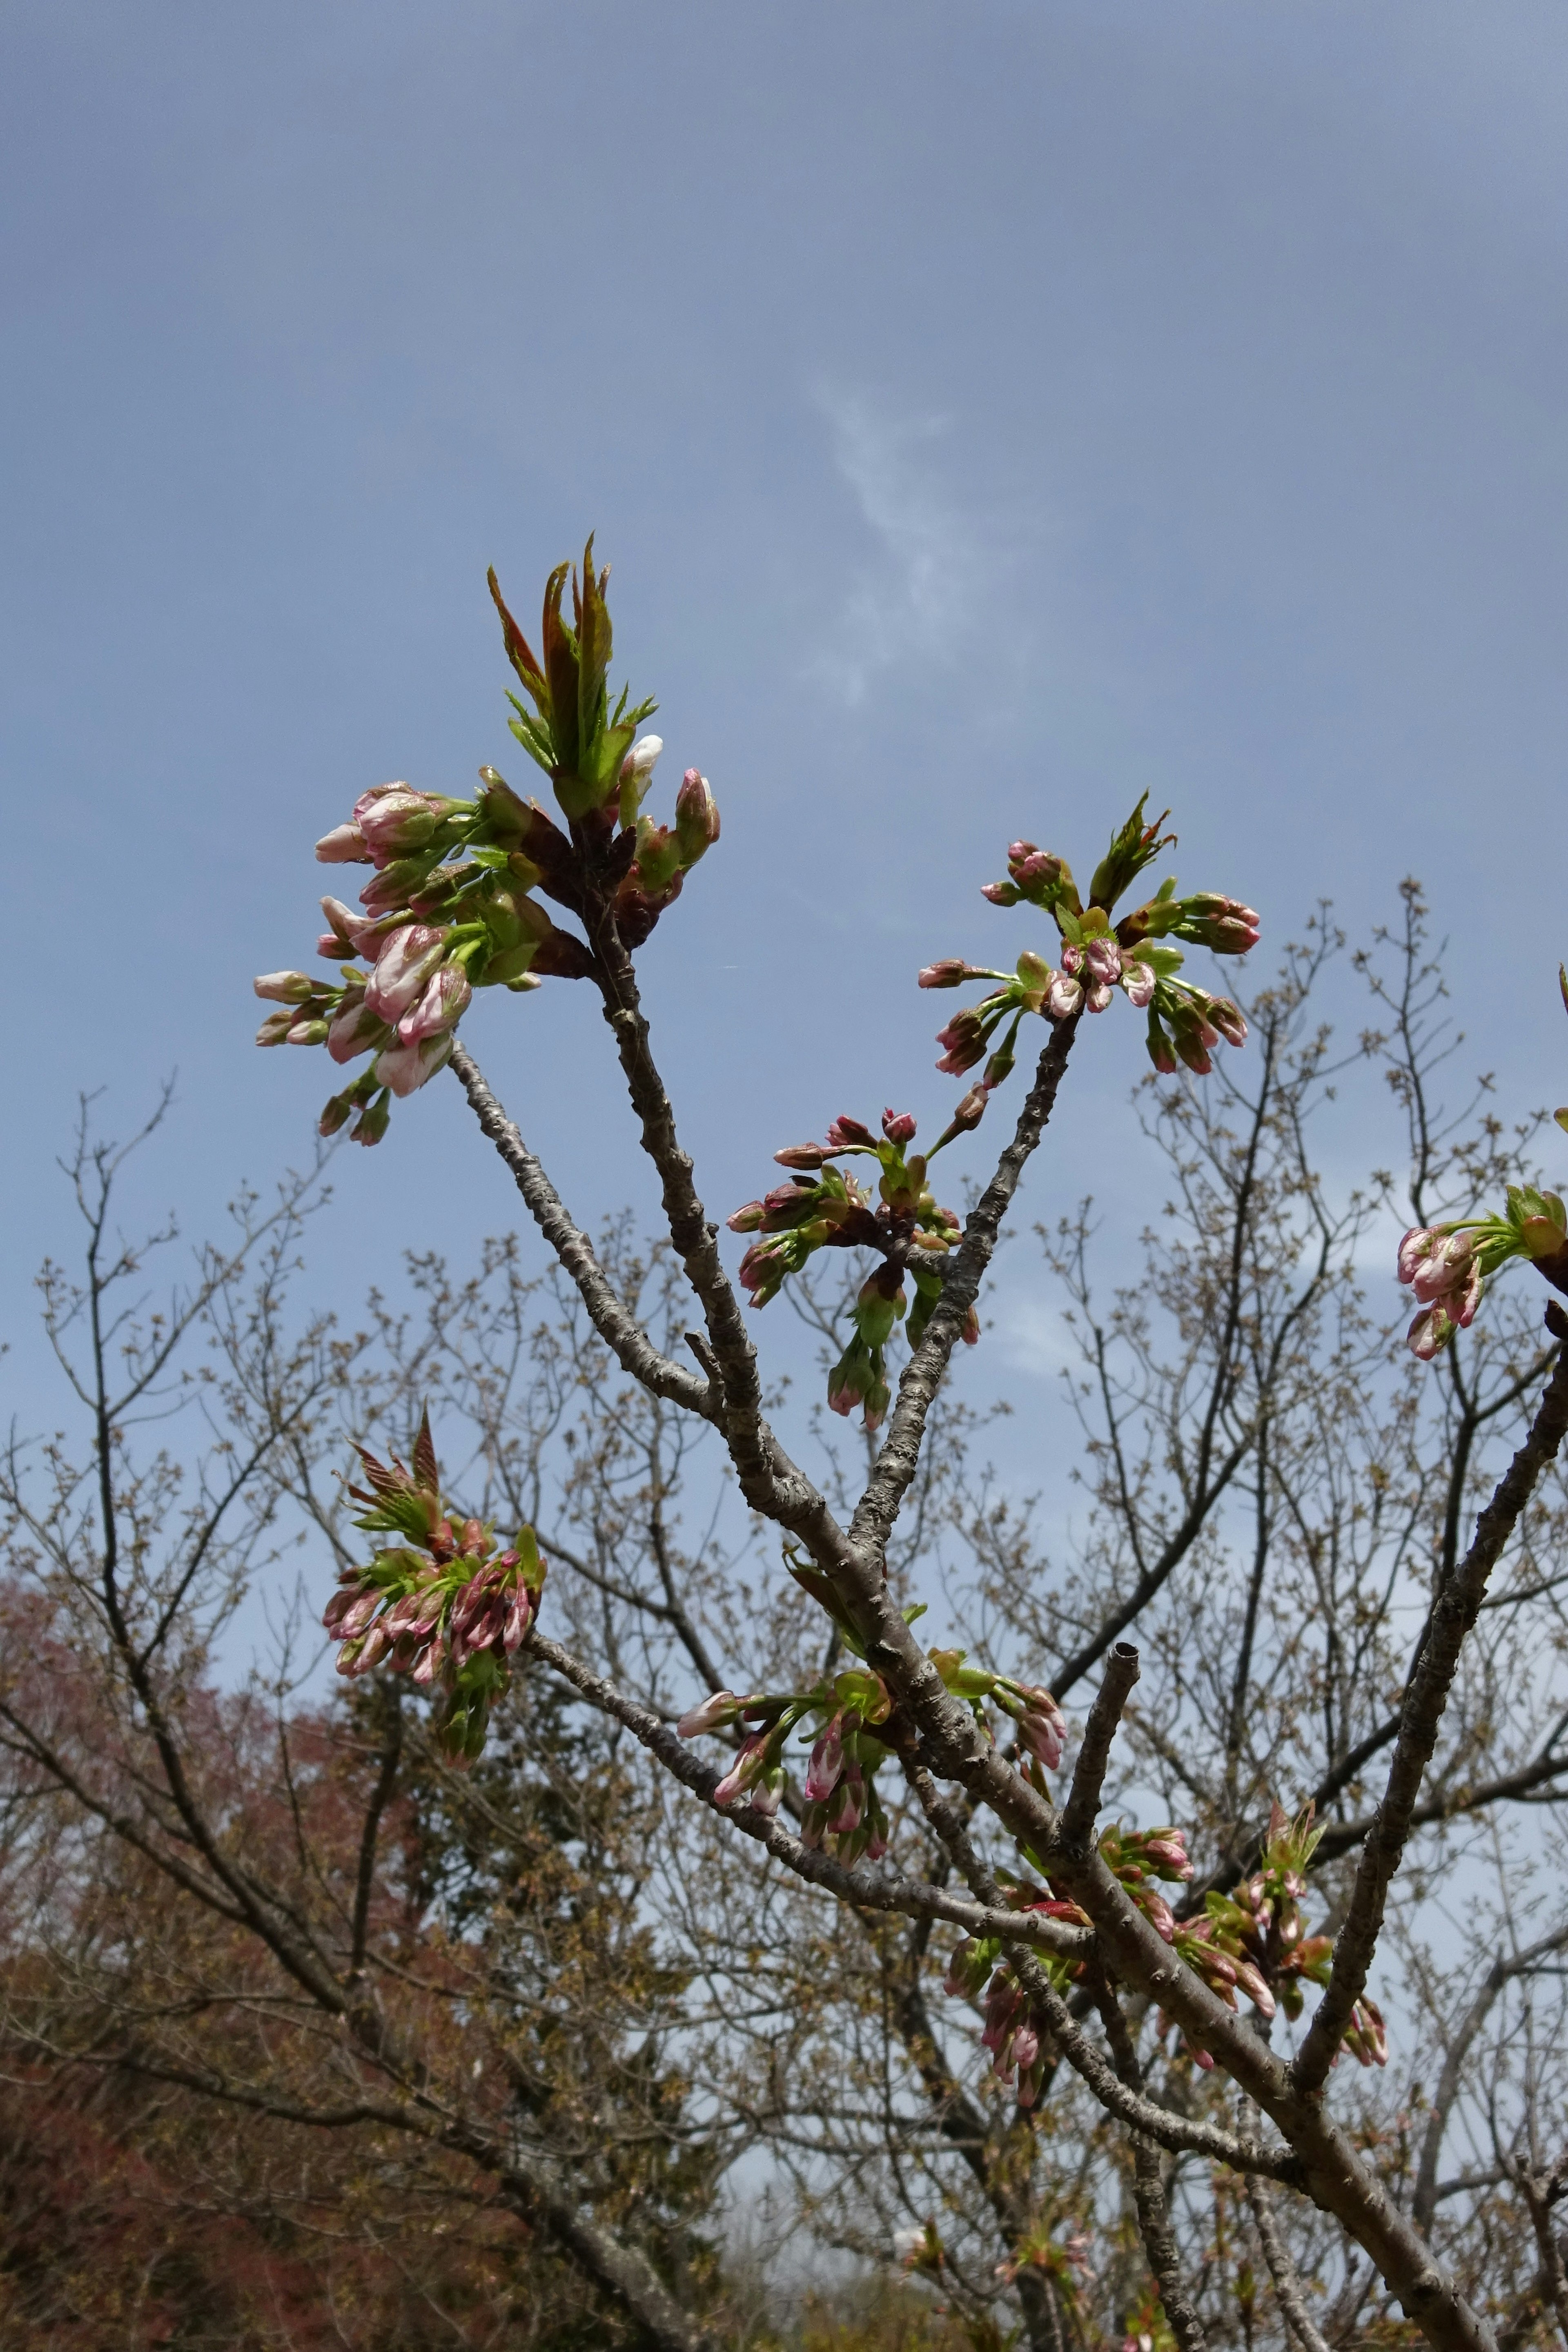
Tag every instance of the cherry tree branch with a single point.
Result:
(922, 1377)
(619, 1330)
(1453, 1614)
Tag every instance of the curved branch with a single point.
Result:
(620, 1332)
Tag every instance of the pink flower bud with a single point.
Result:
(963, 1043)
(1226, 1018)
(345, 846)
(1429, 1334)
(442, 1006)
(1026, 2047)
(1103, 957)
(822, 1774)
(1063, 997)
(285, 988)
(745, 1769)
(1001, 894)
(1255, 1986)
(1415, 1248)
(950, 972)
(696, 817)
(803, 1156)
(356, 1030)
(405, 1068)
(1097, 995)
(846, 1131)
(406, 961)
(308, 1033)
(392, 819)
(1138, 981)
(275, 1029)
(720, 1708)
(898, 1126)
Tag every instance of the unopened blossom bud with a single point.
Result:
(951, 971)
(1415, 1248)
(898, 1126)
(441, 1007)
(1446, 1269)
(345, 846)
(1189, 1044)
(746, 1769)
(285, 987)
(804, 1156)
(275, 1029)
(1103, 957)
(1429, 1334)
(1166, 1852)
(963, 1042)
(1042, 1728)
(337, 1114)
(640, 760)
(970, 1333)
(1063, 997)
(878, 1397)
(747, 1219)
(308, 1033)
(1221, 924)
(846, 1131)
(1097, 995)
(371, 1125)
(1161, 1051)
(970, 1111)
(1226, 1018)
(968, 1969)
(1001, 894)
(851, 1803)
(849, 1382)
(356, 1030)
(1138, 981)
(405, 1068)
(394, 819)
(388, 890)
(403, 969)
(720, 1708)
(1255, 1985)
(696, 817)
(826, 1765)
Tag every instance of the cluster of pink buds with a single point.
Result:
(441, 1605)
(1098, 957)
(447, 909)
(841, 1810)
(823, 1208)
(1065, 2260)
(1366, 2036)
(1041, 1725)
(1015, 2034)
(1447, 1266)
(1138, 1858)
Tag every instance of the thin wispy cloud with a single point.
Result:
(915, 600)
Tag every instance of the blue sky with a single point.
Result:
(990, 413)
